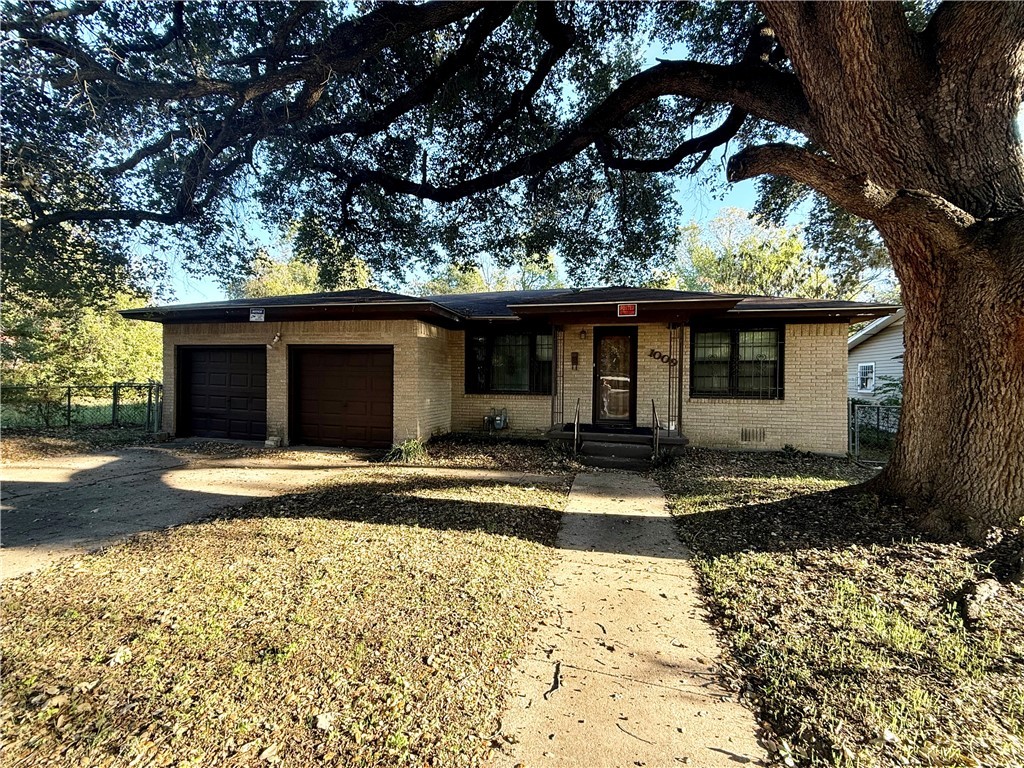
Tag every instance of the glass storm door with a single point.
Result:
(615, 376)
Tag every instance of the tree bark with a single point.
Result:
(959, 456)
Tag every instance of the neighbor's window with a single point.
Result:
(509, 362)
(866, 377)
(737, 362)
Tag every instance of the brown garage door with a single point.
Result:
(223, 392)
(342, 396)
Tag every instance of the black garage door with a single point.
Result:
(342, 396)
(223, 392)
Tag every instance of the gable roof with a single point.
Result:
(454, 309)
(873, 328)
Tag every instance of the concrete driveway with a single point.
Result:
(55, 507)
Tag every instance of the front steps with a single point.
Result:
(609, 455)
(630, 450)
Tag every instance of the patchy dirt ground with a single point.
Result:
(371, 622)
(844, 621)
(32, 445)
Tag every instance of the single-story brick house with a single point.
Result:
(369, 368)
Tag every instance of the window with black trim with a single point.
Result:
(737, 362)
(507, 362)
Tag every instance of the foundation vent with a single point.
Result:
(752, 434)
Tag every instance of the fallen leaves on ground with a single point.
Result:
(516, 454)
(29, 445)
(372, 622)
(842, 619)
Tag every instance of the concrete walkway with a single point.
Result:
(622, 669)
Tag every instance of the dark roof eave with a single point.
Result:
(427, 311)
(842, 313)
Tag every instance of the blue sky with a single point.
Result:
(697, 204)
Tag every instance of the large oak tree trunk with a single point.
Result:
(920, 133)
(959, 453)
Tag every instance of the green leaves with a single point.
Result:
(738, 253)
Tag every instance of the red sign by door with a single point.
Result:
(627, 310)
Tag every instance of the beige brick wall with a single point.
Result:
(812, 415)
(430, 395)
(422, 404)
(528, 415)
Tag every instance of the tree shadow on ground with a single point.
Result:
(421, 500)
(726, 503)
(833, 519)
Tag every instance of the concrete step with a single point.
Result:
(615, 462)
(616, 449)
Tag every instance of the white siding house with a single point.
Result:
(875, 353)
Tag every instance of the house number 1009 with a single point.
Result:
(662, 356)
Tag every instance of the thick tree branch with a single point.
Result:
(698, 145)
(343, 49)
(130, 215)
(492, 17)
(768, 91)
(763, 92)
(854, 192)
(955, 29)
(850, 191)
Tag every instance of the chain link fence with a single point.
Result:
(122, 404)
(873, 430)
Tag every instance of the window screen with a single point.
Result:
(509, 362)
(737, 362)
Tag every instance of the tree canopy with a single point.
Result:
(405, 133)
(738, 253)
(528, 274)
(267, 276)
(58, 342)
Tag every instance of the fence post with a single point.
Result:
(856, 431)
(114, 419)
(68, 411)
(149, 408)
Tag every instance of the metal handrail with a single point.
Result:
(656, 425)
(576, 429)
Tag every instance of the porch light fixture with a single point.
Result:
(583, 333)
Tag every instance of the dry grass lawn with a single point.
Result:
(372, 622)
(843, 621)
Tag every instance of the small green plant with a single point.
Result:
(406, 452)
(889, 390)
